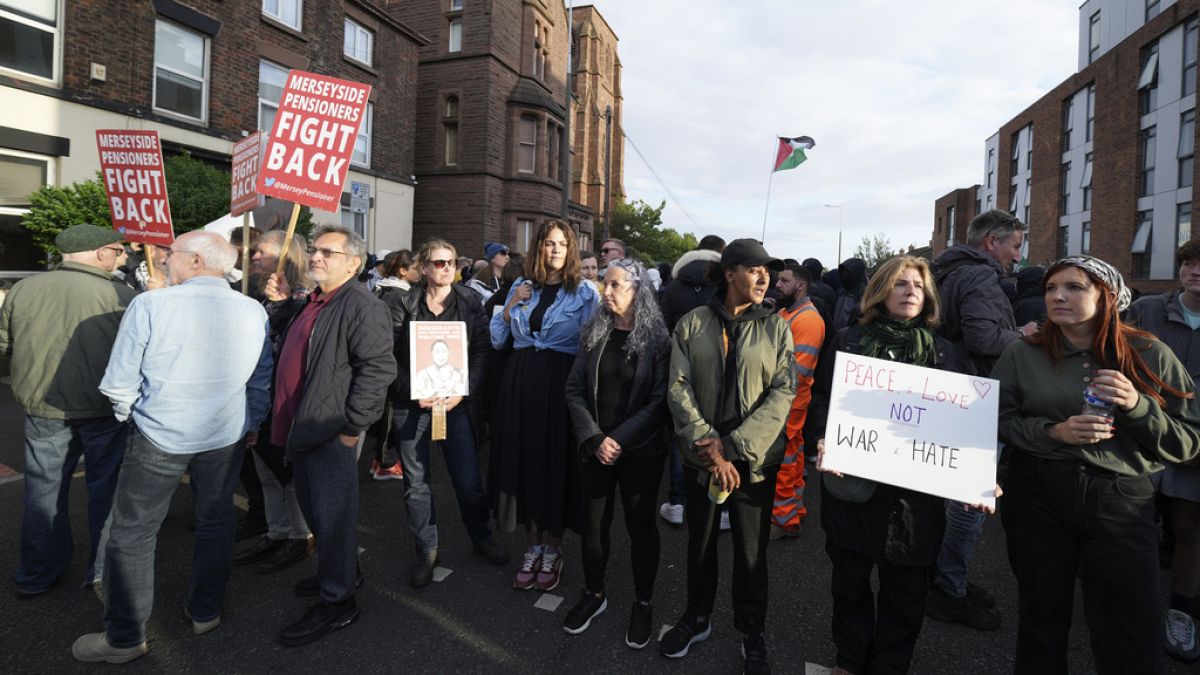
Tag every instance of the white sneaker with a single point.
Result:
(672, 513)
(724, 520)
(1181, 636)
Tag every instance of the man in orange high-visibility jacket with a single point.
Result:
(808, 334)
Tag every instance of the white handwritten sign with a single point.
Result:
(923, 429)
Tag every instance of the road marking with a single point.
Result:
(440, 573)
(12, 479)
(548, 602)
(816, 669)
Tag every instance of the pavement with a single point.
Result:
(472, 620)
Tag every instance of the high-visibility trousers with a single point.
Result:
(789, 510)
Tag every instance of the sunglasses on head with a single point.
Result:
(440, 264)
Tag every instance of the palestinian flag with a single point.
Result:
(791, 152)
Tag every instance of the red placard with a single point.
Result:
(131, 169)
(308, 151)
(243, 178)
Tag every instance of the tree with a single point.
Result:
(874, 251)
(199, 193)
(639, 225)
(54, 209)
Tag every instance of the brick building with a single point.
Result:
(1124, 126)
(203, 73)
(490, 117)
(951, 213)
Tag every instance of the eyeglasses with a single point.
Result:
(440, 264)
(117, 250)
(604, 251)
(172, 251)
(503, 253)
(325, 252)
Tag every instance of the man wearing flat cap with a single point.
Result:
(56, 332)
(730, 389)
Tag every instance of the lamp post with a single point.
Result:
(839, 253)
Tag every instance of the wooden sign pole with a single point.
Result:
(437, 427)
(148, 252)
(287, 240)
(246, 253)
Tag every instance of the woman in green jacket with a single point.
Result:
(1079, 498)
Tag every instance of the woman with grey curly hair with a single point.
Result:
(616, 394)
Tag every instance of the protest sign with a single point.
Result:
(308, 151)
(437, 354)
(243, 177)
(924, 429)
(131, 169)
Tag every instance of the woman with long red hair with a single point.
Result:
(1090, 408)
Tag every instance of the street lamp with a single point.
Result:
(839, 253)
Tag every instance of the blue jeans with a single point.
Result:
(412, 437)
(326, 480)
(52, 451)
(149, 478)
(963, 529)
(677, 491)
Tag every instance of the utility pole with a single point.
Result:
(839, 253)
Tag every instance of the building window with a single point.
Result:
(362, 143)
(539, 53)
(1187, 147)
(1183, 223)
(1028, 193)
(354, 221)
(456, 5)
(1012, 200)
(524, 235)
(1146, 172)
(455, 44)
(1094, 37)
(180, 71)
(553, 147)
(1068, 123)
(1014, 163)
(1152, 9)
(1143, 244)
(1029, 149)
(1086, 248)
(21, 174)
(1086, 182)
(29, 41)
(526, 144)
(991, 165)
(1091, 113)
(1066, 187)
(950, 217)
(272, 80)
(287, 12)
(450, 131)
(1064, 241)
(1148, 80)
(358, 43)
(1189, 56)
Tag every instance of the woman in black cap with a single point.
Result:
(730, 389)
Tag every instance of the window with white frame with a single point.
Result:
(450, 131)
(1148, 80)
(1066, 188)
(524, 235)
(1086, 182)
(1091, 113)
(29, 38)
(456, 5)
(1094, 37)
(527, 144)
(287, 12)
(21, 174)
(1149, 146)
(1143, 245)
(362, 143)
(180, 71)
(1190, 33)
(1068, 123)
(357, 222)
(950, 217)
(1183, 223)
(359, 42)
(1086, 248)
(272, 80)
(455, 41)
(1187, 147)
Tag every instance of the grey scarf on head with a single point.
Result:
(1106, 272)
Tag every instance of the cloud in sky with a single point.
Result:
(899, 96)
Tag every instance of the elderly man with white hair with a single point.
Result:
(191, 367)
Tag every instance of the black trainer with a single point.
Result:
(941, 606)
(309, 586)
(686, 632)
(320, 620)
(637, 636)
(492, 552)
(980, 597)
(580, 617)
(754, 655)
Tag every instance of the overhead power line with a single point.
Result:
(661, 182)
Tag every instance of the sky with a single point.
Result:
(899, 97)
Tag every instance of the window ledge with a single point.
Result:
(359, 64)
(276, 23)
(163, 112)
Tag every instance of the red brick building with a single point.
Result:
(203, 73)
(492, 106)
(1103, 163)
(951, 213)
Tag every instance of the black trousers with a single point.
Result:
(749, 518)
(638, 478)
(1065, 520)
(875, 633)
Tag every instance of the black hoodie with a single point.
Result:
(853, 275)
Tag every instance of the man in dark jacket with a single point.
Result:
(438, 298)
(977, 317)
(331, 383)
(691, 286)
(820, 290)
(853, 275)
(1030, 303)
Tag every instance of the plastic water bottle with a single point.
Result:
(1094, 405)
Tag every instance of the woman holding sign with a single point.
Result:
(874, 525)
(1090, 408)
(534, 466)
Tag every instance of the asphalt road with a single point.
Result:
(472, 621)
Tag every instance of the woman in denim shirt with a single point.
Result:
(534, 477)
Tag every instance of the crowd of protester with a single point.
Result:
(591, 373)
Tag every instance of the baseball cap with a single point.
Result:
(750, 253)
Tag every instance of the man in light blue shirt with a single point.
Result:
(191, 367)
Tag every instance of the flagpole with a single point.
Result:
(767, 208)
